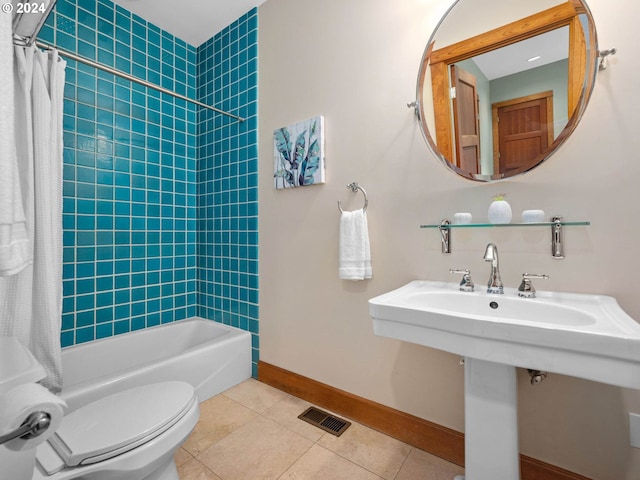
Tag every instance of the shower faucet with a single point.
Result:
(491, 255)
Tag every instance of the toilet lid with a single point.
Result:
(120, 422)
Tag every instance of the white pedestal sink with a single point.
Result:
(586, 336)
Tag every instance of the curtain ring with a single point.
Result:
(354, 188)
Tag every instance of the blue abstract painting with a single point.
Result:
(299, 154)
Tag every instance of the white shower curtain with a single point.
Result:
(31, 300)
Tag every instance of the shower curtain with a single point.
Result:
(31, 300)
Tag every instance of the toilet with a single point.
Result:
(129, 435)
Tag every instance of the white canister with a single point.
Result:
(532, 216)
(499, 210)
(461, 218)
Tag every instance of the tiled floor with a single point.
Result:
(251, 432)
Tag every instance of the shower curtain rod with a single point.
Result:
(131, 78)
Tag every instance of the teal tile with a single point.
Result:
(84, 319)
(122, 326)
(67, 338)
(104, 330)
(131, 181)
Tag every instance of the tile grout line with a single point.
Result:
(411, 449)
(317, 442)
(296, 460)
(324, 434)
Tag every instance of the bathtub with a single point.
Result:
(210, 356)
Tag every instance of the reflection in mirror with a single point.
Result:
(497, 102)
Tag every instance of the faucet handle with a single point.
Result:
(526, 288)
(466, 284)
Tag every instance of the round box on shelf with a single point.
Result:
(532, 216)
(461, 218)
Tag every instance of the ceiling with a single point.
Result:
(549, 47)
(194, 21)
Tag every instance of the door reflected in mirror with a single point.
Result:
(499, 102)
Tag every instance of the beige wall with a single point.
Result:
(355, 62)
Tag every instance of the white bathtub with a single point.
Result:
(211, 356)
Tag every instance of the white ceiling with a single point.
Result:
(550, 47)
(194, 21)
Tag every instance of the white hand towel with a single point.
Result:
(355, 253)
(15, 249)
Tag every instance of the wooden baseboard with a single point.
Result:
(433, 438)
(430, 437)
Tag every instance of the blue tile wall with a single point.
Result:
(159, 196)
(228, 178)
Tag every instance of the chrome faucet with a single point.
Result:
(491, 255)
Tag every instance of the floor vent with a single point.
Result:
(327, 422)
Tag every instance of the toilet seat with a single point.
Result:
(98, 431)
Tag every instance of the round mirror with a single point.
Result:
(503, 83)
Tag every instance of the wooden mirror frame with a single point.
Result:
(580, 80)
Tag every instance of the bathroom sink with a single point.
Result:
(509, 309)
(587, 336)
(582, 335)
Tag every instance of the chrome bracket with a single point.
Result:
(603, 54)
(445, 236)
(416, 108)
(557, 238)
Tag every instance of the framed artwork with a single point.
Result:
(298, 152)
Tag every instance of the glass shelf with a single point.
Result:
(556, 224)
(489, 225)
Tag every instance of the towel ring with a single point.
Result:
(354, 188)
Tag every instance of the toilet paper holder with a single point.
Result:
(35, 425)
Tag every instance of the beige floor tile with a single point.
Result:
(181, 457)
(251, 432)
(286, 412)
(321, 464)
(260, 449)
(372, 450)
(219, 416)
(194, 470)
(255, 395)
(421, 465)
